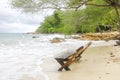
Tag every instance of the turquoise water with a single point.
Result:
(12, 38)
(21, 55)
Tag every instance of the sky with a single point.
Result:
(14, 21)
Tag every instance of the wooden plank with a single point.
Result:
(82, 50)
(74, 56)
(61, 62)
(69, 57)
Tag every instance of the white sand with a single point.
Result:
(97, 63)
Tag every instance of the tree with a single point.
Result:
(37, 5)
(80, 21)
(50, 24)
(103, 3)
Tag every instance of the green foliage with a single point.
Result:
(50, 24)
(33, 6)
(70, 21)
(81, 21)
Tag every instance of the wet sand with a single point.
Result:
(97, 63)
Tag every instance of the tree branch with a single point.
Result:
(100, 5)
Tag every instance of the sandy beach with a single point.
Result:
(97, 63)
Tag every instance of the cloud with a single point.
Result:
(17, 28)
(12, 20)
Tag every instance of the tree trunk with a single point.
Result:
(118, 17)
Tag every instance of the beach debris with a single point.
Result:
(57, 40)
(99, 77)
(113, 58)
(86, 60)
(66, 62)
(107, 73)
(108, 62)
(112, 55)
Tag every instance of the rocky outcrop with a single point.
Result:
(99, 36)
(91, 36)
(57, 40)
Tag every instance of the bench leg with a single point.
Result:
(61, 62)
(66, 64)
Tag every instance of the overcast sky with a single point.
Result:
(14, 21)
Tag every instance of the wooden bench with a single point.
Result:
(65, 62)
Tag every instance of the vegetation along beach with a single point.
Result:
(60, 40)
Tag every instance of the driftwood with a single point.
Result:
(72, 58)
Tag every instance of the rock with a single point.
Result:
(100, 36)
(118, 42)
(112, 55)
(118, 37)
(76, 37)
(57, 40)
(35, 36)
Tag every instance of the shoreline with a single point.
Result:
(113, 35)
(97, 63)
(25, 58)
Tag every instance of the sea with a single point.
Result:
(21, 54)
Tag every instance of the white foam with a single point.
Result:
(25, 56)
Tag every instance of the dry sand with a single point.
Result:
(97, 63)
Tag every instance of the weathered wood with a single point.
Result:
(61, 62)
(82, 50)
(69, 57)
(74, 56)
